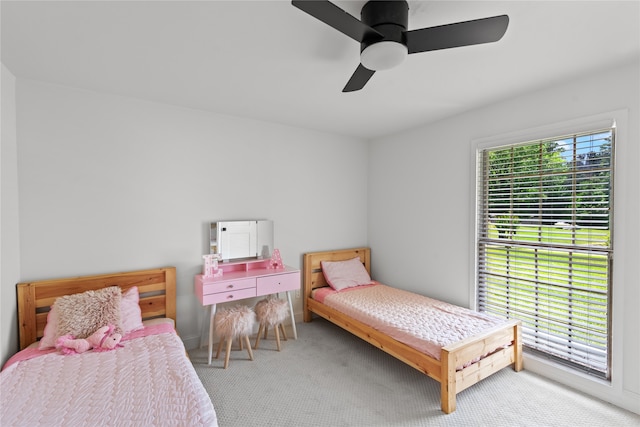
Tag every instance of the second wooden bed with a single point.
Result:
(452, 381)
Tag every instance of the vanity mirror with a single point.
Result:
(241, 239)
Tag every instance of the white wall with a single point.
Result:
(112, 184)
(9, 238)
(421, 200)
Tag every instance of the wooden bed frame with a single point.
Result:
(443, 370)
(157, 288)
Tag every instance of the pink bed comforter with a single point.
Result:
(422, 323)
(149, 381)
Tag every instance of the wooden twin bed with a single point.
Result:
(452, 380)
(149, 380)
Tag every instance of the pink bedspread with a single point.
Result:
(149, 381)
(33, 351)
(422, 323)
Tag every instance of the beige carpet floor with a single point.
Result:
(328, 377)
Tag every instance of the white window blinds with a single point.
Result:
(544, 243)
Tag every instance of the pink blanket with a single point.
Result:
(31, 352)
(150, 381)
(423, 323)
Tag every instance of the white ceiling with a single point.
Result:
(270, 61)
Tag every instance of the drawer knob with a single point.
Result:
(230, 287)
(230, 297)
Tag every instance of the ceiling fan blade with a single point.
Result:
(359, 78)
(466, 33)
(337, 18)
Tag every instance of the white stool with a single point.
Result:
(231, 323)
(271, 312)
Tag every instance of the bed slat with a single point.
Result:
(484, 368)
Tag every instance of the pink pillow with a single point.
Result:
(345, 274)
(49, 337)
(130, 313)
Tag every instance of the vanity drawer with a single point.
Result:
(278, 283)
(221, 297)
(228, 286)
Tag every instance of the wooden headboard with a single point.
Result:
(157, 288)
(313, 276)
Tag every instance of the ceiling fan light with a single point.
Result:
(383, 55)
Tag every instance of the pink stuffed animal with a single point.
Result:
(103, 339)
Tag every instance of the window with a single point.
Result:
(544, 252)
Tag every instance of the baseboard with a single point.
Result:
(191, 342)
(595, 387)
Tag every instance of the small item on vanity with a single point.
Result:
(210, 267)
(276, 260)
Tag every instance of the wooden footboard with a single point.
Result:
(452, 381)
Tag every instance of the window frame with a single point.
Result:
(618, 119)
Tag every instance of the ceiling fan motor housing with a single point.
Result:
(390, 18)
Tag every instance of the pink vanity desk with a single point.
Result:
(245, 279)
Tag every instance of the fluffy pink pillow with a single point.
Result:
(345, 274)
(82, 314)
(130, 313)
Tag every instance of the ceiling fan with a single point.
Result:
(384, 39)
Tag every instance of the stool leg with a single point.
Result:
(277, 336)
(226, 357)
(219, 347)
(284, 334)
(266, 329)
(246, 339)
(240, 343)
(258, 336)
